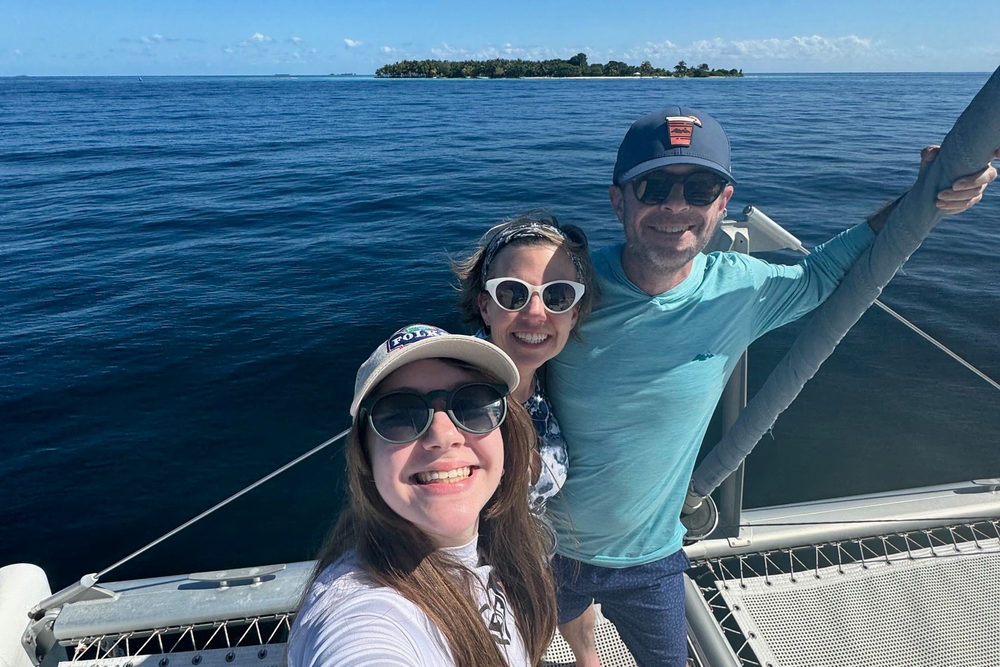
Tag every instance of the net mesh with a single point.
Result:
(199, 640)
(930, 606)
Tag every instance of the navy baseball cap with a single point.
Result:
(675, 135)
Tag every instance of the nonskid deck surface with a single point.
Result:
(610, 647)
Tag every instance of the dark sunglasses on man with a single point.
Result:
(700, 188)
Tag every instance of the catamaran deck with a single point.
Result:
(905, 578)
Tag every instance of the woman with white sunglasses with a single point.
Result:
(527, 288)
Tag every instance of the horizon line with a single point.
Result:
(373, 76)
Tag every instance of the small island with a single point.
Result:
(577, 66)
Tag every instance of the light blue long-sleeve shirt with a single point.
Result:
(635, 397)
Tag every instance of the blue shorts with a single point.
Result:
(645, 602)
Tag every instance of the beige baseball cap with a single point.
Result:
(423, 341)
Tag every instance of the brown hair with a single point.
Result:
(395, 553)
(569, 238)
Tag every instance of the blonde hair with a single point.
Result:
(545, 230)
(395, 553)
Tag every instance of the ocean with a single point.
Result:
(192, 269)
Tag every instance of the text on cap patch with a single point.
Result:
(680, 129)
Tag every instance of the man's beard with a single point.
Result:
(664, 261)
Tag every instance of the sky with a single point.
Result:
(250, 37)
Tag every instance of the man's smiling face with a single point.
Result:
(665, 238)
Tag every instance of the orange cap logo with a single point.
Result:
(680, 129)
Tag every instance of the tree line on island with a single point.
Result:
(577, 66)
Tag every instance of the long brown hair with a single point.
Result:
(395, 553)
(569, 238)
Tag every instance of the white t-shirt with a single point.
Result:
(347, 621)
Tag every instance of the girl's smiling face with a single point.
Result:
(409, 476)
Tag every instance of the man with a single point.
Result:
(636, 395)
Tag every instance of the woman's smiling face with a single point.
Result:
(446, 510)
(530, 336)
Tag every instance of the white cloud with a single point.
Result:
(446, 50)
(387, 49)
(813, 47)
(650, 51)
(511, 52)
(351, 43)
(228, 49)
(507, 51)
(800, 48)
(256, 39)
(297, 40)
(296, 57)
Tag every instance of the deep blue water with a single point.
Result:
(191, 270)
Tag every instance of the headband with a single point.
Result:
(526, 230)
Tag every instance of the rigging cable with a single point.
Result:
(87, 582)
(930, 339)
(225, 502)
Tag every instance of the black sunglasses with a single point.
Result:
(405, 415)
(700, 188)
